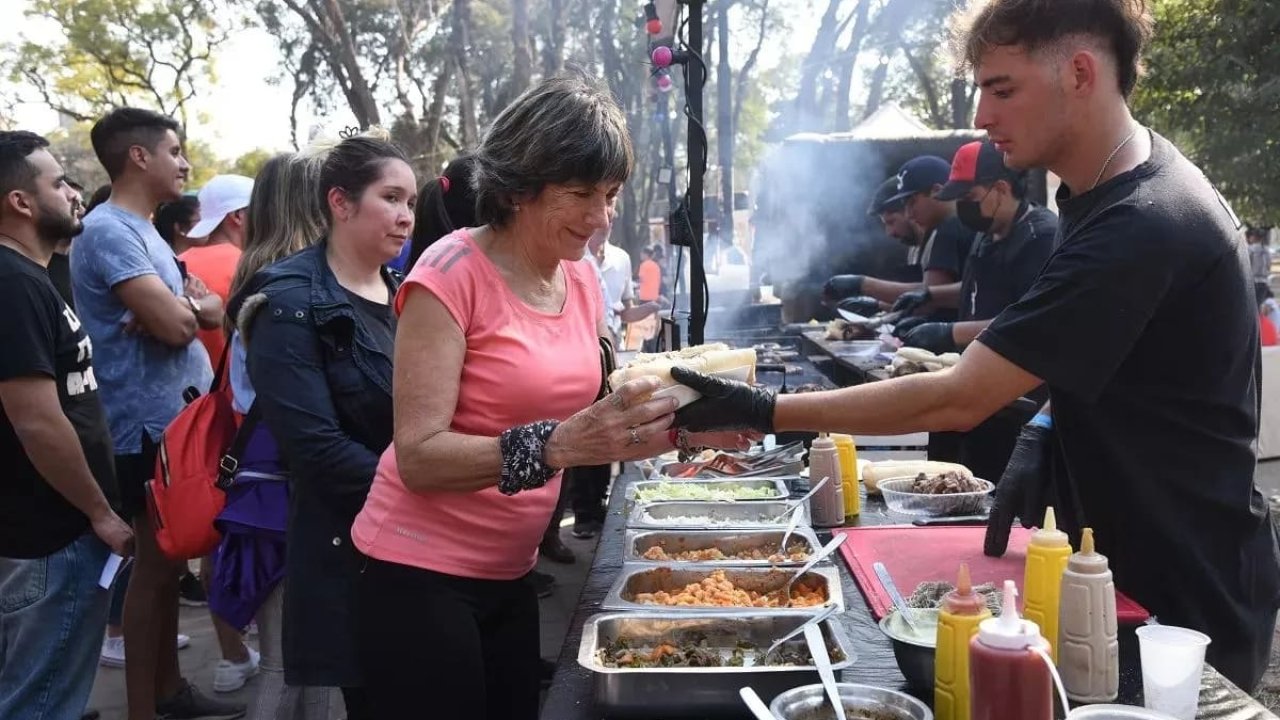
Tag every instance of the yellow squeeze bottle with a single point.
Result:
(1047, 557)
(849, 474)
(958, 619)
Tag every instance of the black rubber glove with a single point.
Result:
(1023, 489)
(906, 325)
(725, 404)
(840, 287)
(935, 337)
(907, 302)
(860, 304)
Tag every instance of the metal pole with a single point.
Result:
(696, 140)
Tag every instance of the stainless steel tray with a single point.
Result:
(728, 541)
(644, 578)
(790, 467)
(777, 485)
(757, 515)
(696, 692)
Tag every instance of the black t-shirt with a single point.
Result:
(42, 337)
(60, 273)
(1144, 327)
(378, 318)
(948, 247)
(997, 273)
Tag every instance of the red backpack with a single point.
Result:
(191, 461)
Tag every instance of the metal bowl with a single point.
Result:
(915, 658)
(861, 702)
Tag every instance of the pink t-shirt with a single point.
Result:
(521, 365)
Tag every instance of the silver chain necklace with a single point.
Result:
(1111, 157)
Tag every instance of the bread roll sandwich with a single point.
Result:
(709, 359)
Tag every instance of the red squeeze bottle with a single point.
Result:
(1008, 679)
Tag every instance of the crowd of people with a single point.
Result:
(391, 490)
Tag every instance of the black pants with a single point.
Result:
(439, 646)
(356, 701)
(590, 486)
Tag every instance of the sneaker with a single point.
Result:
(230, 676)
(113, 650)
(543, 583)
(554, 549)
(190, 704)
(587, 529)
(191, 592)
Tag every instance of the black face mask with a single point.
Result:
(970, 213)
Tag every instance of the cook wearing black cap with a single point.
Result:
(1015, 238)
(892, 214)
(946, 240)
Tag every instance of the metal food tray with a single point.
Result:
(790, 467)
(722, 515)
(641, 578)
(696, 691)
(778, 485)
(729, 541)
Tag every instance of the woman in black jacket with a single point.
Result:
(319, 355)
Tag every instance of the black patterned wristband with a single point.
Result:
(523, 463)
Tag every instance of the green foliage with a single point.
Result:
(251, 162)
(1213, 87)
(153, 53)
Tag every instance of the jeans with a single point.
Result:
(52, 615)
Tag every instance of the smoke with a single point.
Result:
(811, 220)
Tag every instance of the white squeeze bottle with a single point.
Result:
(1088, 650)
(826, 506)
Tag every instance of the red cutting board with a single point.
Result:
(918, 554)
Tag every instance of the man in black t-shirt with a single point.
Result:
(1014, 240)
(946, 241)
(1142, 324)
(57, 525)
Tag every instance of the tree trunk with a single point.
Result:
(521, 56)
(359, 94)
(435, 114)
(848, 62)
(924, 78)
(806, 102)
(876, 94)
(553, 50)
(460, 42)
(740, 92)
(961, 103)
(725, 131)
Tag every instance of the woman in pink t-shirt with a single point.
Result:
(497, 366)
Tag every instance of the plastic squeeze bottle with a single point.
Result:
(1047, 556)
(1008, 680)
(958, 619)
(1088, 651)
(849, 474)
(826, 505)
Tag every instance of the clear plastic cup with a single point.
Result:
(1172, 663)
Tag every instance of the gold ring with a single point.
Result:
(635, 437)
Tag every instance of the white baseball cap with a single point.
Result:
(220, 197)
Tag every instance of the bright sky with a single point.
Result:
(243, 110)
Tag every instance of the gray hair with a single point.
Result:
(565, 129)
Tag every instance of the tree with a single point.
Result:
(154, 53)
(251, 162)
(1213, 87)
